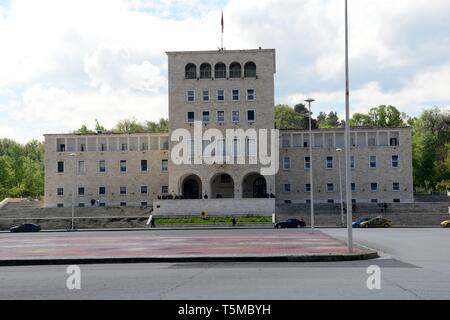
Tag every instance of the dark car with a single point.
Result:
(27, 227)
(291, 224)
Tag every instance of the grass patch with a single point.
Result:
(212, 220)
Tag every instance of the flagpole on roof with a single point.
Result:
(221, 43)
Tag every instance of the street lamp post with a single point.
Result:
(310, 100)
(347, 140)
(73, 190)
(340, 186)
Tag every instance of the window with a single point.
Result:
(123, 204)
(102, 191)
(205, 95)
(190, 117)
(235, 70)
(81, 191)
(287, 201)
(144, 190)
(124, 147)
(205, 71)
(103, 147)
(191, 71)
(62, 147)
(102, 204)
(123, 166)
(220, 95)
(251, 115)
(307, 163)
(308, 201)
(144, 165)
(353, 187)
(395, 162)
(235, 116)
(82, 147)
(374, 201)
(287, 188)
(60, 192)
(308, 188)
(165, 165)
(60, 167)
(190, 95)
(81, 205)
(123, 191)
(144, 204)
(81, 167)
(286, 163)
(250, 70)
(220, 71)
(374, 187)
(394, 142)
(60, 205)
(164, 189)
(286, 141)
(373, 162)
(329, 162)
(372, 142)
(205, 116)
(352, 162)
(102, 166)
(330, 201)
(330, 187)
(397, 201)
(250, 94)
(235, 95)
(396, 186)
(220, 116)
(225, 179)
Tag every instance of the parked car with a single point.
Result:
(357, 223)
(27, 227)
(445, 224)
(291, 224)
(378, 222)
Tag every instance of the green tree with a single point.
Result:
(330, 120)
(158, 127)
(288, 118)
(129, 126)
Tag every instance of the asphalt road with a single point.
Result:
(415, 264)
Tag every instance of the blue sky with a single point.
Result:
(65, 63)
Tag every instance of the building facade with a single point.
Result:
(226, 91)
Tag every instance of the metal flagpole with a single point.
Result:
(347, 139)
(221, 43)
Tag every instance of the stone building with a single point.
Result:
(226, 91)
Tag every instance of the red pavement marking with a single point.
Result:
(157, 245)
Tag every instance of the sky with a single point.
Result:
(64, 63)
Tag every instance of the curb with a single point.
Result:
(208, 259)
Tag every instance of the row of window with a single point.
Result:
(220, 71)
(144, 204)
(123, 167)
(102, 191)
(329, 162)
(235, 95)
(332, 201)
(220, 116)
(330, 187)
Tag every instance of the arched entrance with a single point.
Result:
(254, 185)
(192, 187)
(222, 186)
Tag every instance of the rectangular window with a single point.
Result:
(374, 201)
(123, 204)
(102, 166)
(81, 205)
(220, 95)
(205, 95)
(353, 187)
(60, 192)
(235, 116)
(395, 162)
(329, 162)
(165, 165)
(308, 188)
(190, 117)
(372, 142)
(352, 162)
(250, 94)
(235, 95)
(286, 141)
(307, 163)
(144, 166)
(82, 147)
(60, 167)
(123, 166)
(373, 162)
(220, 116)
(394, 142)
(144, 204)
(190, 95)
(286, 163)
(330, 201)
(60, 205)
(287, 188)
(374, 187)
(102, 191)
(103, 147)
(124, 147)
(81, 191)
(397, 201)
(205, 116)
(396, 186)
(144, 190)
(81, 167)
(123, 191)
(251, 115)
(330, 187)
(164, 189)
(102, 204)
